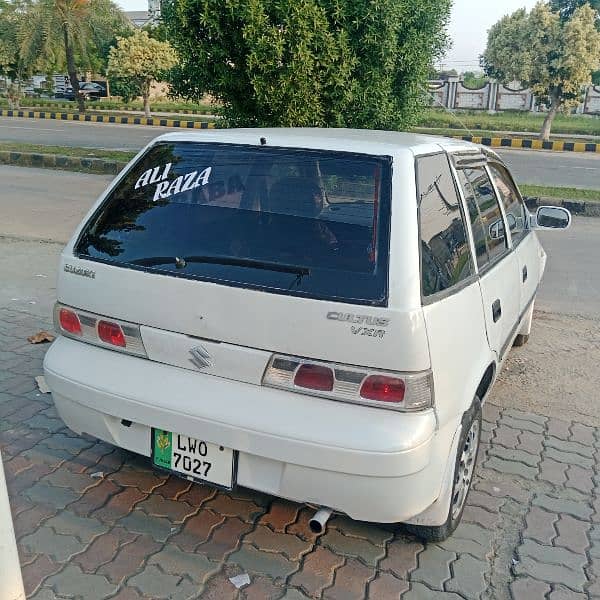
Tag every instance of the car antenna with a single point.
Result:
(263, 141)
(450, 111)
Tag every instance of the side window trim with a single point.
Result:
(460, 285)
(465, 212)
(527, 227)
(507, 231)
(508, 248)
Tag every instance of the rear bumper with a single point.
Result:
(355, 459)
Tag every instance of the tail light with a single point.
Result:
(69, 321)
(96, 329)
(111, 333)
(394, 391)
(314, 377)
(383, 389)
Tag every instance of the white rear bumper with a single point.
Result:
(372, 464)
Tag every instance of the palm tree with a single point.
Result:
(72, 33)
(13, 24)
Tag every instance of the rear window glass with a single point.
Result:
(298, 222)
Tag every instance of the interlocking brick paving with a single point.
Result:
(531, 528)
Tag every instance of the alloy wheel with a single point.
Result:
(465, 468)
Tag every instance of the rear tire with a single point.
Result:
(520, 340)
(466, 459)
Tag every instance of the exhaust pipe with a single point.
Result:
(319, 520)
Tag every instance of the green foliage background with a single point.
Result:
(566, 8)
(352, 63)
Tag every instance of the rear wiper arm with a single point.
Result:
(181, 262)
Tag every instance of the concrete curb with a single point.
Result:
(11, 583)
(58, 161)
(32, 114)
(577, 207)
(69, 106)
(529, 144)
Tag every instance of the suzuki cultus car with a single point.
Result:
(315, 314)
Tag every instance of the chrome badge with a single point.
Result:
(80, 271)
(200, 357)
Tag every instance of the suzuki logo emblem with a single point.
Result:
(200, 357)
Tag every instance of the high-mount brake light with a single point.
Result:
(314, 377)
(85, 326)
(347, 383)
(383, 389)
(111, 333)
(69, 321)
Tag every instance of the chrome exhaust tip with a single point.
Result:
(319, 521)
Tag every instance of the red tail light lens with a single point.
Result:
(383, 389)
(314, 377)
(69, 321)
(111, 333)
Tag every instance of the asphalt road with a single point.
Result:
(543, 168)
(39, 209)
(562, 169)
(571, 284)
(73, 133)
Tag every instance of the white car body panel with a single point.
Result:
(279, 323)
(501, 284)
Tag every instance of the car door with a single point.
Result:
(497, 265)
(525, 244)
(450, 287)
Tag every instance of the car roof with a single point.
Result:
(363, 141)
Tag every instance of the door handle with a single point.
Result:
(524, 273)
(496, 310)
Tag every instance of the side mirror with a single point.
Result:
(496, 230)
(552, 217)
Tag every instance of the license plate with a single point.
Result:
(192, 458)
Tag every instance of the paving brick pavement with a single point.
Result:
(531, 528)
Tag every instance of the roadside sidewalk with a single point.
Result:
(93, 521)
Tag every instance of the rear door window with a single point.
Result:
(445, 254)
(297, 222)
(485, 215)
(511, 200)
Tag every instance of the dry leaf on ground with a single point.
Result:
(41, 337)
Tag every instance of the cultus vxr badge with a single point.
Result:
(358, 319)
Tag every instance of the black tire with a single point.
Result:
(438, 533)
(520, 340)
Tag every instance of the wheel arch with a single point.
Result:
(485, 384)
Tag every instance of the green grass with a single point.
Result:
(482, 122)
(563, 193)
(160, 106)
(117, 155)
(93, 110)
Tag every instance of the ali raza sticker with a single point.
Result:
(166, 188)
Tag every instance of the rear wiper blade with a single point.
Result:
(181, 262)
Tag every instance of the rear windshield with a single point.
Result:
(299, 222)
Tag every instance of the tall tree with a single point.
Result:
(356, 63)
(566, 8)
(140, 59)
(13, 28)
(72, 34)
(554, 57)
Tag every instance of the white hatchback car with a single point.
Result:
(315, 314)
